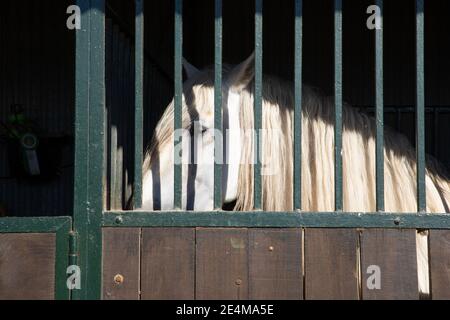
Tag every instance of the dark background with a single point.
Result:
(37, 70)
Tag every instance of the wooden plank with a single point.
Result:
(121, 263)
(275, 266)
(440, 264)
(331, 264)
(27, 266)
(168, 258)
(222, 264)
(392, 253)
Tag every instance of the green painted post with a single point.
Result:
(379, 111)
(298, 105)
(62, 260)
(218, 126)
(258, 102)
(139, 103)
(178, 98)
(420, 107)
(89, 144)
(265, 219)
(338, 104)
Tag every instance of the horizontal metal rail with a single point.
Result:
(33, 225)
(276, 220)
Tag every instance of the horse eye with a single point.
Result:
(192, 130)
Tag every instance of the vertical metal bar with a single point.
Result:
(82, 77)
(62, 260)
(379, 97)
(139, 103)
(89, 124)
(298, 105)
(218, 149)
(338, 104)
(258, 102)
(178, 99)
(420, 106)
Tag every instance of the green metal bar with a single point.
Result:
(276, 220)
(62, 260)
(338, 104)
(178, 98)
(379, 111)
(33, 225)
(298, 105)
(139, 104)
(218, 107)
(82, 78)
(420, 105)
(258, 102)
(89, 124)
(73, 248)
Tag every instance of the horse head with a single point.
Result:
(195, 152)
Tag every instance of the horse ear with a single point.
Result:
(241, 75)
(190, 70)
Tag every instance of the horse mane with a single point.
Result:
(317, 152)
(359, 165)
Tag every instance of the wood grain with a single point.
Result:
(394, 253)
(440, 264)
(331, 264)
(27, 266)
(168, 260)
(275, 264)
(121, 263)
(222, 264)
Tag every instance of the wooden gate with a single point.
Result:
(220, 255)
(34, 255)
(268, 263)
(247, 255)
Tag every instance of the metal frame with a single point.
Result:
(61, 227)
(338, 125)
(89, 145)
(255, 219)
(89, 216)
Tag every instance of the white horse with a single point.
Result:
(359, 191)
